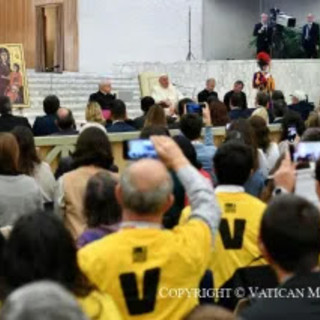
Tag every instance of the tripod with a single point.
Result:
(190, 55)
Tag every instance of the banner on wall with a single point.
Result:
(13, 77)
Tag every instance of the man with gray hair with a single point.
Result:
(208, 92)
(263, 32)
(41, 300)
(150, 271)
(104, 97)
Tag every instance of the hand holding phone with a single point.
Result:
(195, 108)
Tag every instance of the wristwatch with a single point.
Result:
(278, 191)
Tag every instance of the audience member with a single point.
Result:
(262, 136)
(40, 248)
(208, 92)
(262, 104)
(292, 122)
(167, 258)
(290, 241)
(93, 154)
(46, 125)
(94, 113)
(166, 94)
(7, 120)
(35, 300)
(156, 117)
(237, 257)
(219, 114)
(255, 184)
(31, 165)
(119, 117)
(277, 95)
(237, 88)
(146, 104)
(19, 194)
(300, 104)
(311, 135)
(191, 126)
(190, 153)
(104, 97)
(148, 132)
(313, 120)
(280, 108)
(65, 123)
(236, 109)
(101, 208)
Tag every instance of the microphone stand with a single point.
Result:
(190, 55)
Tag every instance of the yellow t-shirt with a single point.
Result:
(138, 267)
(98, 306)
(240, 224)
(236, 245)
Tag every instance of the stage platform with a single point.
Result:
(74, 88)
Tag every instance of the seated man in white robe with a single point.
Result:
(166, 94)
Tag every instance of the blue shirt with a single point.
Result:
(206, 151)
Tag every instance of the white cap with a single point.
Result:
(300, 95)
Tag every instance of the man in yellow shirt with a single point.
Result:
(236, 260)
(153, 273)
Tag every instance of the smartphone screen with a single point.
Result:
(292, 133)
(307, 151)
(195, 108)
(139, 149)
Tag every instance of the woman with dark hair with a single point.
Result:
(262, 135)
(19, 194)
(293, 128)
(219, 114)
(102, 211)
(5, 69)
(255, 184)
(40, 248)
(156, 117)
(31, 165)
(92, 154)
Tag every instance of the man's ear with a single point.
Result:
(118, 194)
(169, 203)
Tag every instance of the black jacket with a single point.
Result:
(45, 125)
(264, 39)
(8, 122)
(295, 308)
(314, 35)
(105, 100)
(120, 126)
(228, 96)
(204, 95)
(303, 108)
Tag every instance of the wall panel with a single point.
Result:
(17, 24)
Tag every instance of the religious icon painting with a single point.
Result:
(13, 77)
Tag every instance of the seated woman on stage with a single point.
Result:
(263, 80)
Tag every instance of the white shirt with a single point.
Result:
(272, 155)
(229, 189)
(171, 93)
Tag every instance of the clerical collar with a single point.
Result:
(140, 225)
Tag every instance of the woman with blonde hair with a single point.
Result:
(94, 113)
(156, 117)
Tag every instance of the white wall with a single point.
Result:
(116, 31)
(228, 28)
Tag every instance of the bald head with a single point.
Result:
(105, 86)
(65, 120)
(146, 187)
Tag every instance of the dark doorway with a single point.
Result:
(50, 39)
